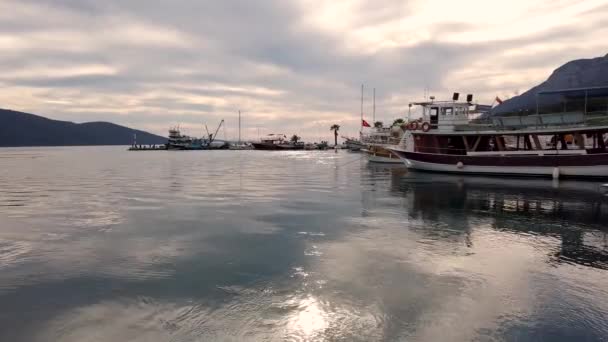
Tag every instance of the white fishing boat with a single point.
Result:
(352, 144)
(378, 144)
(380, 139)
(460, 137)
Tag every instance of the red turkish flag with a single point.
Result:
(365, 124)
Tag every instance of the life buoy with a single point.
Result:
(414, 126)
(426, 127)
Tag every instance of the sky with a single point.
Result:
(290, 66)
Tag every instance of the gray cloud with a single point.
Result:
(152, 63)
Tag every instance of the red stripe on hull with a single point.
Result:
(508, 161)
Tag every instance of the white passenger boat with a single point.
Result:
(457, 137)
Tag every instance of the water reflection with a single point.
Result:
(302, 246)
(309, 321)
(574, 212)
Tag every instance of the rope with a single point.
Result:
(350, 162)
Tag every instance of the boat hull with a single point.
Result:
(385, 160)
(585, 166)
(381, 154)
(276, 147)
(354, 146)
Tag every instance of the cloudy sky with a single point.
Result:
(291, 66)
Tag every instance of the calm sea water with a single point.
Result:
(101, 244)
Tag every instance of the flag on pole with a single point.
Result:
(365, 124)
(497, 99)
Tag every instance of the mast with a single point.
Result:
(374, 115)
(361, 122)
(239, 127)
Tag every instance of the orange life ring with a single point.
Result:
(426, 127)
(414, 126)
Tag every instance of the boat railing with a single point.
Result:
(385, 140)
(494, 151)
(535, 121)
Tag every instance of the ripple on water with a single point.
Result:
(338, 250)
(12, 252)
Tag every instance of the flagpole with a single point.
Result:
(361, 131)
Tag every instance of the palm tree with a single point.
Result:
(378, 124)
(294, 139)
(335, 128)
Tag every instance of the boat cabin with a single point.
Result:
(446, 116)
(576, 125)
(273, 138)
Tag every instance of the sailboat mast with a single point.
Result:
(374, 115)
(239, 127)
(361, 122)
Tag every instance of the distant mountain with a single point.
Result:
(579, 73)
(23, 129)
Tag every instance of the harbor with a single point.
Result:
(303, 171)
(567, 138)
(184, 236)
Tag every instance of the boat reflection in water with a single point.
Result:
(574, 212)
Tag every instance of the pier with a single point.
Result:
(148, 148)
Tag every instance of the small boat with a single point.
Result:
(178, 141)
(353, 144)
(277, 142)
(241, 146)
(462, 137)
(379, 154)
(378, 143)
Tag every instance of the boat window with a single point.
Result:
(434, 111)
(447, 111)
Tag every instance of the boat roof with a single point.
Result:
(442, 103)
(599, 91)
(543, 131)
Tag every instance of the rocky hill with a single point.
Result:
(574, 74)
